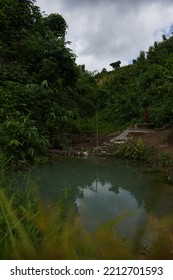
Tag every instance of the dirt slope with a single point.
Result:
(161, 139)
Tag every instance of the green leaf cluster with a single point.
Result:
(43, 93)
(147, 83)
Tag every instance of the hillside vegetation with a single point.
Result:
(147, 84)
(47, 101)
(43, 93)
(46, 98)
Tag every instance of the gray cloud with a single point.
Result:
(103, 31)
(73, 4)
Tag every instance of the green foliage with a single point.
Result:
(9, 223)
(22, 139)
(43, 92)
(120, 104)
(138, 151)
(56, 24)
(45, 97)
(159, 160)
(147, 82)
(85, 125)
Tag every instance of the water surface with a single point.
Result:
(104, 189)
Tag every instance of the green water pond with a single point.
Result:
(104, 189)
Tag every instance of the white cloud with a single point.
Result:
(105, 31)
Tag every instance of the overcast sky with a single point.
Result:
(104, 31)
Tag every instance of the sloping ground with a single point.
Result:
(158, 138)
(161, 139)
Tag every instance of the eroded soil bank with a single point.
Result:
(159, 139)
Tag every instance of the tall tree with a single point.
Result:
(56, 24)
(115, 65)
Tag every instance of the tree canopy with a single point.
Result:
(41, 91)
(116, 64)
